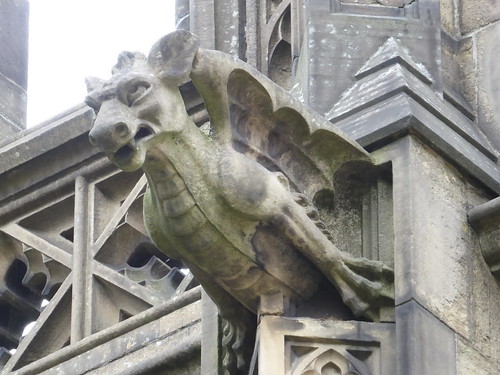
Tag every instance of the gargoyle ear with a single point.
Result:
(172, 56)
(94, 83)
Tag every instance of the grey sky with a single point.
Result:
(72, 39)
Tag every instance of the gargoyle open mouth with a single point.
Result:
(125, 154)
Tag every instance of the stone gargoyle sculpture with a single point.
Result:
(232, 204)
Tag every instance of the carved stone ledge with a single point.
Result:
(485, 219)
(393, 97)
(311, 346)
(173, 328)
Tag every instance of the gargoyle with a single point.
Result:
(231, 205)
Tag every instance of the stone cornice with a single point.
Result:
(391, 99)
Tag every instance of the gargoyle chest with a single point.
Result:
(198, 241)
(188, 228)
(176, 204)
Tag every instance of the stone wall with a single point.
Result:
(13, 65)
(447, 298)
(474, 27)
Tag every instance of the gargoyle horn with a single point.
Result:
(172, 56)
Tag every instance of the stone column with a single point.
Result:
(14, 16)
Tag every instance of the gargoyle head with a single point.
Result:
(141, 100)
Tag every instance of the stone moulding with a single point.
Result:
(393, 97)
(147, 321)
(309, 346)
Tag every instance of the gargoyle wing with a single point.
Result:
(323, 168)
(266, 123)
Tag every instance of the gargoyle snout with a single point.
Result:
(111, 130)
(108, 137)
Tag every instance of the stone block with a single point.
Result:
(488, 78)
(12, 107)
(37, 156)
(451, 57)
(295, 345)
(486, 221)
(424, 344)
(201, 22)
(394, 96)
(179, 352)
(13, 66)
(272, 304)
(464, 57)
(172, 341)
(473, 361)
(475, 14)
(211, 344)
(341, 44)
(37, 141)
(14, 41)
(438, 260)
(229, 31)
(179, 319)
(448, 17)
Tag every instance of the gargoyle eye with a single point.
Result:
(137, 91)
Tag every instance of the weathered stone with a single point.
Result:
(381, 97)
(14, 41)
(169, 342)
(199, 188)
(272, 304)
(439, 262)
(486, 221)
(30, 159)
(475, 14)
(341, 43)
(211, 345)
(467, 72)
(488, 94)
(12, 107)
(472, 361)
(13, 65)
(164, 333)
(425, 344)
(295, 345)
(448, 17)
(453, 58)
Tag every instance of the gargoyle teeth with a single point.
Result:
(133, 144)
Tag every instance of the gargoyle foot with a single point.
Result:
(365, 285)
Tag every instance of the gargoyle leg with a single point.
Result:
(365, 285)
